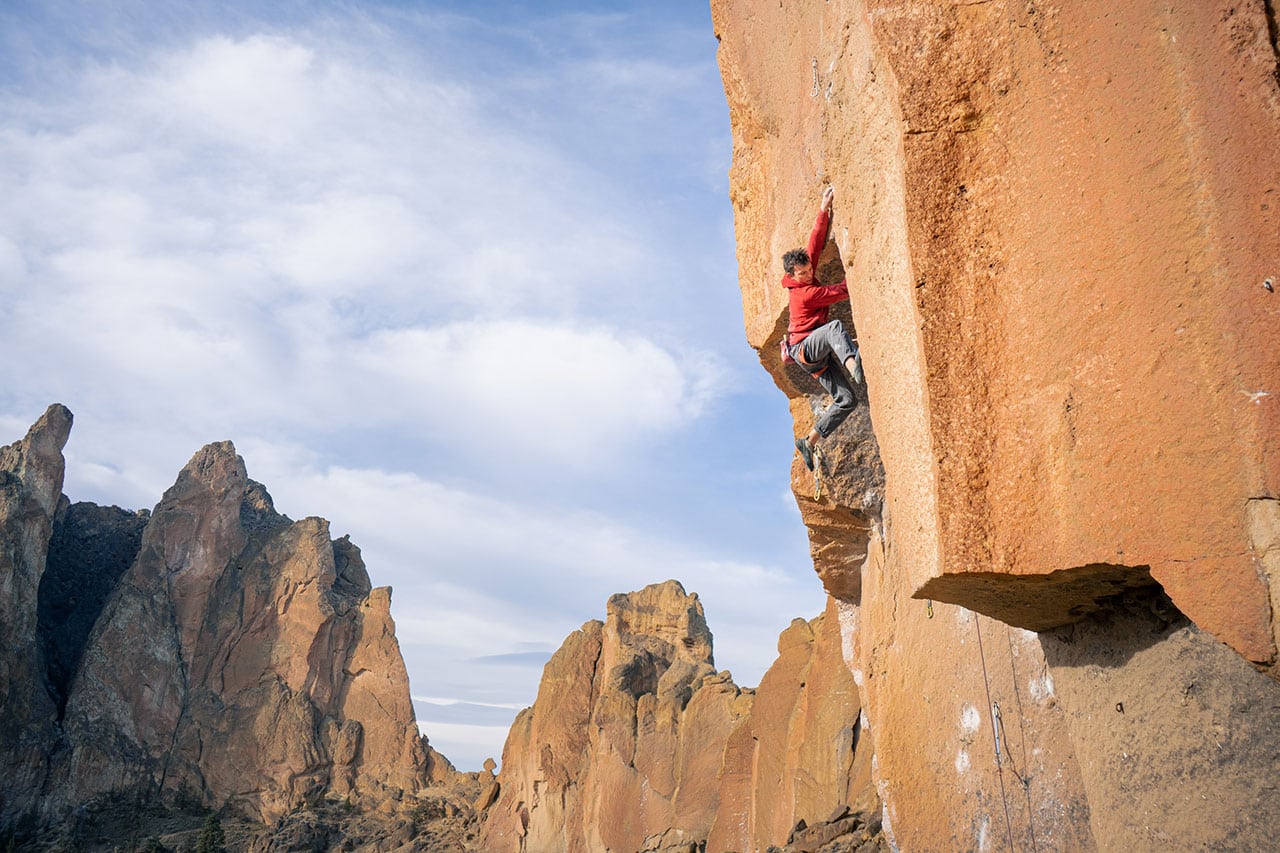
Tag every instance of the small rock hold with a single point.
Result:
(1267, 283)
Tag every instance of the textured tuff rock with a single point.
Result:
(601, 759)
(244, 658)
(31, 473)
(636, 743)
(796, 756)
(1057, 221)
(211, 651)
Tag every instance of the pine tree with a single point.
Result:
(211, 838)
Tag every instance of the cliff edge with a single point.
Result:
(1054, 519)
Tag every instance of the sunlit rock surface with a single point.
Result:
(211, 651)
(1058, 225)
(635, 742)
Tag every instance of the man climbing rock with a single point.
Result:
(815, 342)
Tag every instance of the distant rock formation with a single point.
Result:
(635, 742)
(799, 754)
(1058, 223)
(212, 650)
(31, 474)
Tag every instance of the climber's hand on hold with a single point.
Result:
(827, 195)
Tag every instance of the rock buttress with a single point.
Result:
(1057, 221)
(234, 656)
(31, 472)
(636, 743)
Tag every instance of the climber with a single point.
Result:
(815, 343)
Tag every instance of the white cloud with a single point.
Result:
(340, 244)
(13, 267)
(519, 386)
(258, 91)
(484, 576)
(466, 746)
(249, 228)
(306, 239)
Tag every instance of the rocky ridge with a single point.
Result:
(213, 657)
(212, 652)
(636, 742)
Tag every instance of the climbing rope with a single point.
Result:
(995, 712)
(1000, 736)
(1022, 723)
(1026, 782)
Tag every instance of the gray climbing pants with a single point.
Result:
(823, 353)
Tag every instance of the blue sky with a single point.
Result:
(459, 278)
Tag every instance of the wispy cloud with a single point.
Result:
(463, 285)
(256, 226)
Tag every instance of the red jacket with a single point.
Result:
(810, 303)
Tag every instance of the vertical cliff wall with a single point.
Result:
(1058, 222)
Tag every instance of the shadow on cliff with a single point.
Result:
(1168, 721)
(1122, 627)
(90, 549)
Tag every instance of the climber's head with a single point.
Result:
(798, 265)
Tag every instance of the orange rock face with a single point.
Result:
(797, 755)
(598, 761)
(636, 743)
(242, 658)
(1058, 222)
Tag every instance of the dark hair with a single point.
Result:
(794, 258)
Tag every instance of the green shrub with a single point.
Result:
(211, 838)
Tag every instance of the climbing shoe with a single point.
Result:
(806, 452)
(857, 368)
